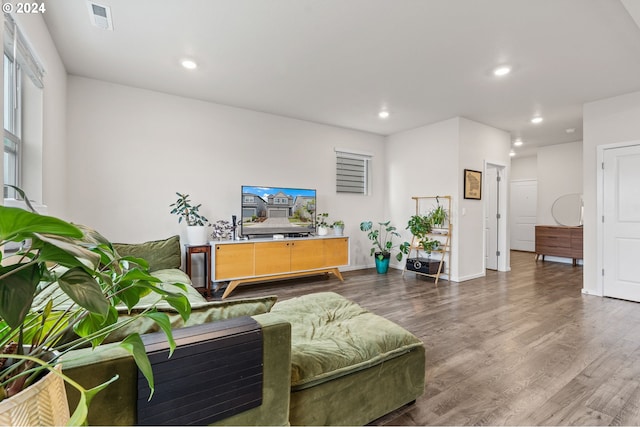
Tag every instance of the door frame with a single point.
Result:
(503, 229)
(600, 209)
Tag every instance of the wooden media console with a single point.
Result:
(252, 261)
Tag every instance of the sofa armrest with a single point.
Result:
(116, 405)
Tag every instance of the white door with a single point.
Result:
(621, 225)
(524, 196)
(491, 190)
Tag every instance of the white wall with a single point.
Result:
(479, 144)
(54, 156)
(130, 150)
(559, 173)
(524, 168)
(429, 161)
(421, 162)
(609, 121)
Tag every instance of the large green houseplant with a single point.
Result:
(92, 280)
(186, 210)
(382, 243)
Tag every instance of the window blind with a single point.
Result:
(18, 51)
(352, 172)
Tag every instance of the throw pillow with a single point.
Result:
(160, 254)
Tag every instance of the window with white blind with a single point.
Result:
(352, 172)
(23, 83)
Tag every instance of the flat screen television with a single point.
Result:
(277, 210)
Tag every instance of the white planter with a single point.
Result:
(44, 403)
(338, 230)
(323, 231)
(197, 235)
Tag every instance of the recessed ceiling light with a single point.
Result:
(537, 120)
(502, 70)
(570, 130)
(512, 153)
(189, 64)
(517, 142)
(383, 114)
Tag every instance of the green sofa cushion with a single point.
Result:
(332, 337)
(160, 254)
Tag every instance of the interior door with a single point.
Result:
(524, 195)
(621, 223)
(491, 217)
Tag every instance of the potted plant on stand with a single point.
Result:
(196, 223)
(60, 292)
(382, 240)
(338, 227)
(420, 226)
(221, 229)
(323, 225)
(438, 215)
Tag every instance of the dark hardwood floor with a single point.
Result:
(518, 348)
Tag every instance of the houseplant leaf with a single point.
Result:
(79, 416)
(83, 289)
(17, 288)
(162, 320)
(67, 245)
(92, 323)
(17, 224)
(134, 345)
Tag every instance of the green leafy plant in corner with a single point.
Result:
(187, 211)
(382, 239)
(60, 292)
(420, 226)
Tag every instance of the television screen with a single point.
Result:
(277, 210)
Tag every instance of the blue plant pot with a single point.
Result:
(382, 265)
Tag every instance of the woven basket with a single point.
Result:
(41, 404)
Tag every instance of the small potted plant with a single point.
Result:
(438, 216)
(59, 293)
(338, 227)
(221, 229)
(190, 213)
(322, 224)
(382, 241)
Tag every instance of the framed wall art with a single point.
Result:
(472, 184)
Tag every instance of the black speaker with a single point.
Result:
(423, 265)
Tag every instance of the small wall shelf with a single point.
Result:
(441, 256)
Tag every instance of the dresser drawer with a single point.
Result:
(553, 241)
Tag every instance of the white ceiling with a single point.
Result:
(340, 61)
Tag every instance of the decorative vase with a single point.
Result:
(338, 230)
(44, 403)
(197, 235)
(323, 231)
(382, 265)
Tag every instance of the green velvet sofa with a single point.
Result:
(326, 360)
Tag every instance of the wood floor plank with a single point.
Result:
(519, 348)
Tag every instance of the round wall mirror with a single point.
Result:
(567, 209)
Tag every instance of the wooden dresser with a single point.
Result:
(559, 240)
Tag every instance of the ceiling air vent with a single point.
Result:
(100, 15)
